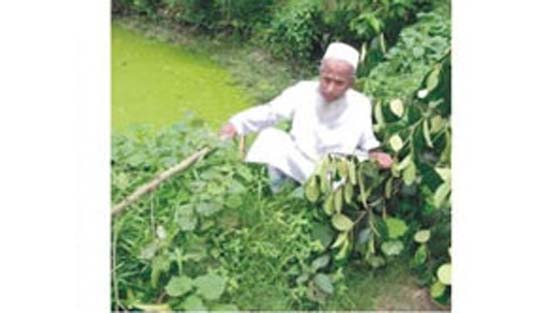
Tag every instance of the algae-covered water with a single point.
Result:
(155, 83)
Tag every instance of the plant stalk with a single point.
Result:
(160, 178)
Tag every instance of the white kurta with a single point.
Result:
(343, 126)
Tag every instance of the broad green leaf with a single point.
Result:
(396, 143)
(444, 173)
(314, 293)
(234, 201)
(396, 106)
(392, 248)
(376, 261)
(208, 208)
(329, 204)
(352, 173)
(426, 130)
(339, 240)
(186, 218)
(389, 187)
(323, 233)
(236, 187)
(179, 285)
(323, 168)
(312, 190)
(363, 51)
(136, 159)
(364, 236)
(161, 232)
(437, 289)
(436, 124)
(302, 279)
(433, 79)
(405, 162)
(445, 156)
(422, 93)
(160, 264)
(418, 51)
(422, 236)
(409, 174)
(325, 184)
(444, 274)
(420, 255)
(149, 251)
(210, 286)
(374, 22)
(323, 282)
(378, 113)
(344, 250)
(341, 222)
(372, 244)
(320, 262)
(338, 200)
(395, 227)
(441, 194)
(348, 192)
(193, 303)
(343, 168)
(121, 180)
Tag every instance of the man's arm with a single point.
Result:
(262, 116)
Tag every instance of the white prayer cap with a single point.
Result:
(342, 51)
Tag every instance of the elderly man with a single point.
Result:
(327, 117)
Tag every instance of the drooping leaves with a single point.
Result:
(312, 190)
(437, 289)
(444, 274)
(396, 143)
(422, 236)
(396, 106)
(341, 222)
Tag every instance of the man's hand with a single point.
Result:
(228, 131)
(384, 160)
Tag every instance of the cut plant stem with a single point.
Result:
(160, 178)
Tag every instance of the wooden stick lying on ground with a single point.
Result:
(153, 184)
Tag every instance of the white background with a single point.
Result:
(54, 156)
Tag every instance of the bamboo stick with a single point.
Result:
(242, 147)
(160, 178)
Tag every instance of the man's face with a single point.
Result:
(336, 77)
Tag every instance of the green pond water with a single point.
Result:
(156, 83)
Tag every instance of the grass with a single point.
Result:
(391, 288)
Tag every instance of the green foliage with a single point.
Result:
(212, 236)
(238, 16)
(418, 48)
(301, 30)
(295, 31)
